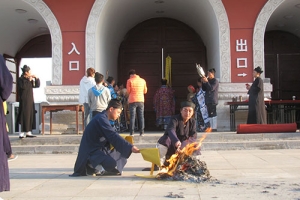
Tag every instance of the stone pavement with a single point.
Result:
(238, 174)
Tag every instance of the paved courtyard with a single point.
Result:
(239, 174)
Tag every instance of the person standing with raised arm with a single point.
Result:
(211, 87)
(26, 115)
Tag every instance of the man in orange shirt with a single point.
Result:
(136, 88)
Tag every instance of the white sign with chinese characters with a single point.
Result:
(74, 65)
(241, 62)
(241, 46)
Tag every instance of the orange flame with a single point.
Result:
(180, 154)
(190, 148)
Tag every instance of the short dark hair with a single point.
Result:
(115, 104)
(131, 72)
(90, 71)
(110, 79)
(98, 77)
(212, 70)
(119, 84)
(187, 104)
(164, 81)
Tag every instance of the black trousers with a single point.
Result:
(212, 110)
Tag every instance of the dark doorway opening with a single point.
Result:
(282, 64)
(142, 50)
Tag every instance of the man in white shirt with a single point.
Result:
(86, 83)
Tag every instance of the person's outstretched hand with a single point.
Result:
(178, 144)
(134, 149)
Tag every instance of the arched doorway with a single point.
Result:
(141, 50)
(282, 63)
(38, 48)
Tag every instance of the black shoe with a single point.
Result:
(30, 136)
(90, 170)
(113, 172)
(132, 134)
(21, 137)
(142, 134)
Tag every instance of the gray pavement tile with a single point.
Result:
(106, 198)
(163, 197)
(224, 173)
(40, 198)
(161, 189)
(266, 173)
(44, 191)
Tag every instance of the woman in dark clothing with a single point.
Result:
(26, 115)
(180, 131)
(257, 110)
(211, 88)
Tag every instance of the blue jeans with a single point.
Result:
(139, 108)
(87, 114)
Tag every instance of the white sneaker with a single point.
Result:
(21, 135)
(99, 168)
(11, 158)
(29, 134)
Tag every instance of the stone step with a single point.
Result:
(153, 138)
(69, 144)
(206, 146)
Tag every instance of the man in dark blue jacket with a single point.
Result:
(95, 150)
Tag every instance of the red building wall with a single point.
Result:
(72, 16)
(242, 15)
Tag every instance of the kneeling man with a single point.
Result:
(95, 152)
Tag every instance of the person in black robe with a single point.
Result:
(6, 85)
(26, 114)
(95, 150)
(180, 131)
(257, 111)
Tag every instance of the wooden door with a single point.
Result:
(142, 50)
(282, 64)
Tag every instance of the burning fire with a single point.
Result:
(182, 154)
